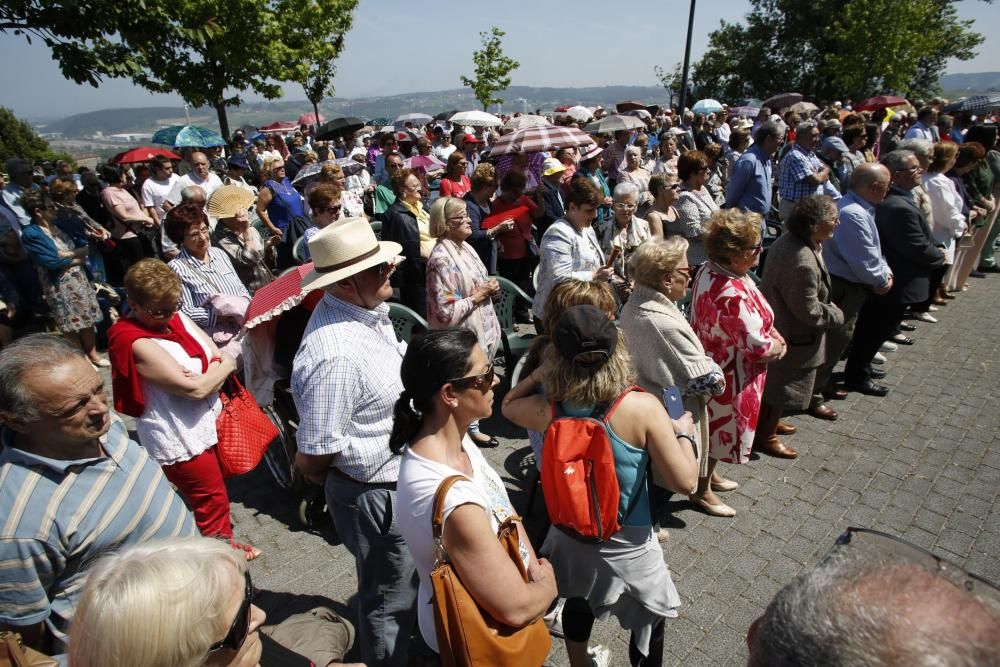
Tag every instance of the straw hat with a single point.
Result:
(228, 200)
(344, 248)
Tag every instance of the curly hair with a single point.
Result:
(484, 176)
(63, 189)
(655, 258)
(399, 180)
(330, 171)
(150, 281)
(34, 198)
(181, 219)
(729, 232)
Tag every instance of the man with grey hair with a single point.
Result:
(74, 486)
(801, 173)
(854, 612)
(750, 184)
(911, 254)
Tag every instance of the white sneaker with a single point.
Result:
(553, 619)
(600, 656)
(879, 358)
(662, 534)
(933, 309)
(888, 346)
(925, 317)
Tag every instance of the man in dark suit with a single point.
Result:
(911, 254)
(549, 196)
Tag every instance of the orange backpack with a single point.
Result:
(579, 480)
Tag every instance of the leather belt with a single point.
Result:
(391, 486)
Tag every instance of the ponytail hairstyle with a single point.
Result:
(429, 363)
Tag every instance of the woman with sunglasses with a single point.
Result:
(736, 327)
(175, 602)
(448, 383)
(662, 217)
(665, 349)
(166, 372)
(326, 206)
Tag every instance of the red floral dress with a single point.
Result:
(733, 321)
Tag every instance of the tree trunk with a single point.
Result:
(316, 112)
(220, 110)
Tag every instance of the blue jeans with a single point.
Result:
(365, 519)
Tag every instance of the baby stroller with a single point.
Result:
(274, 330)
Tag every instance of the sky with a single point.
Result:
(558, 43)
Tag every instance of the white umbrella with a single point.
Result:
(415, 118)
(579, 113)
(476, 119)
(525, 120)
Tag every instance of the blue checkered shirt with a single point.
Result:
(345, 380)
(797, 165)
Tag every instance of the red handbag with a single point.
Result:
(243, 429)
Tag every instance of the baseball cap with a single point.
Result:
(585, 336)
(552, 166)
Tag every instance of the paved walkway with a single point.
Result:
(922, 463)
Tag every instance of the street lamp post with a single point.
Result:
(687, 62)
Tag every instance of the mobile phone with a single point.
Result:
(673, 403)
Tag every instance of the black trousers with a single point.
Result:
(876, 323)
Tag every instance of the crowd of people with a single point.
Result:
(729, 262)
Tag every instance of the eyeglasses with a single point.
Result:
(195, 233)
(459, 218)
(385, 269)
(481, 382)
(162, 312)
(622, 206)
(328, 209)
(687, 271)
(240, 629)
(756, 248)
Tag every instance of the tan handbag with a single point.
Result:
(467, 635)
(13, 653)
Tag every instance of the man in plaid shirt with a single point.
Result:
(801, 173)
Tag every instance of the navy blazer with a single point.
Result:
(907, 246)
(553, 209)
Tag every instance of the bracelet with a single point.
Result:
(689, 438)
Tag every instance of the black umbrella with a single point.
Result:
(978, 104)
(782, 100)
(445, 115)
(339, 127)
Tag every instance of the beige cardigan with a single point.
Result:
(666, 352)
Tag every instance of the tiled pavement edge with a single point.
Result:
(922, 463)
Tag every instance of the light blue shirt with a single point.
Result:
(855, 253)
(750, 185)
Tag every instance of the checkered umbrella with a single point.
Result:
(976, 104)
(540, 138)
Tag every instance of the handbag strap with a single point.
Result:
(437, 516)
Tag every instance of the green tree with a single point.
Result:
(19, 139)
(493, 69)
(830, 49)
(315, 38)
(671, 81)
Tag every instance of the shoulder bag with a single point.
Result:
(467, 635)
(13, 653)
(243, 429)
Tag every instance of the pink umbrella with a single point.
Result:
(278, 296)
(310, 119)
(278, 126)
(540, 138)
(142, 154)
(425, 162)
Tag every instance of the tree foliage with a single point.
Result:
(831, 49)
(19, 139)
(493, 69)
(314, 43)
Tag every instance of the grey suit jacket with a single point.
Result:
(797, 285)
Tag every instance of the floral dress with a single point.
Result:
(453, 273)
(733, 321)
(69, 294)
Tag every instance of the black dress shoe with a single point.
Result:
(868, 388)
(977, 274)
(902, 340)
(876, 373)
(906, 326)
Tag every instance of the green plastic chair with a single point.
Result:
(377, 228)
(298, 251)
(406, 322)
(514, 343)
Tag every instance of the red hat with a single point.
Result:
(471, 139)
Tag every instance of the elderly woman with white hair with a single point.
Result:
(627, 233)
(460, 290)
(160, 604)
(635, 173)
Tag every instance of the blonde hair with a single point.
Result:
(729, 232)
(565, 381)
(571, 293)
(268, 166)
(438, 225)
(655, 258)
(151, 281)
(329, 171)
(159, 604)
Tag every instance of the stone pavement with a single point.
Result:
(922, 463)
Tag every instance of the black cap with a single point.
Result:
(238, 160)
(583, 330)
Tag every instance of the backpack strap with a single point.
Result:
(605, 414)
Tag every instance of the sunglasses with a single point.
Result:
(240, 629)
(481, 382)
(328, 209)
(163, 312)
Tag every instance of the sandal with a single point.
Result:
(252, 552)
(484, 440)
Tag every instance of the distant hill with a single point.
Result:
(518, 98)
(957, 85)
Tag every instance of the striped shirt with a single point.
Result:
(345, 381)
(57, 516)
(201, 280)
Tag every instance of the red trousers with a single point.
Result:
(199, 481)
